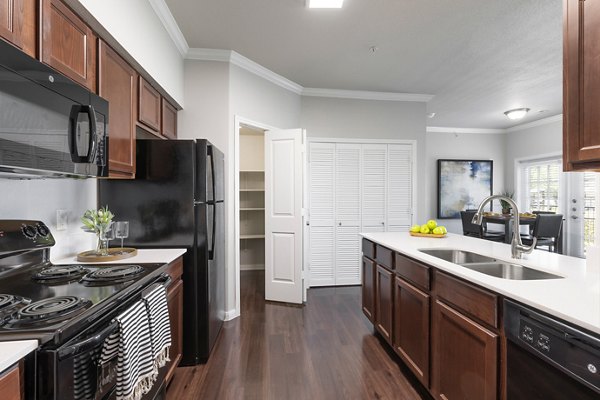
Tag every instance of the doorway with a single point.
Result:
(251, 197)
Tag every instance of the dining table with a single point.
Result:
(507, 221)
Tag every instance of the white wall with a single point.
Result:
(530, 143)
(39, 200)
(368, 119)
(135, 25)
(466, 146)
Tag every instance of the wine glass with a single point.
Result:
(121, 230)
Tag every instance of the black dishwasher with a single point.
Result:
(548, 359)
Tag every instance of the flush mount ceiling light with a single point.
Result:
(324, 3)
(517, 113)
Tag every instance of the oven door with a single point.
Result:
(73, 371)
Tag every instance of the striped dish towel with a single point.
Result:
(132, 345)
(160, 327)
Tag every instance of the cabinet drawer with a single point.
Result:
(175, 269)
(384, 256)
(412, 271)
(10, 384)
(368, 249)
(475, 302)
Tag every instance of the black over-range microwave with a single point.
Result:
(49, 125)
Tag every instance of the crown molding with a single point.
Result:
(166, 18)
(366, 95)
(444, 129)
(265, 73)
(539, 122)
(209, 55)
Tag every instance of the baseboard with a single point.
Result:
(232, 314)
(251, 267)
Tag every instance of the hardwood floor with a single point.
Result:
(325, 350)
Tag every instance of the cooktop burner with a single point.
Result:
(110, 275)
(8, 301)
(49, 310)
(60, 274)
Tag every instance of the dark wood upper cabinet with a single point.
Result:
(117, 84)
(368, 288)
(411, 328)
(68, 44)
(18, 24)
(168, 120)
(149, 107)
(581, 85)
(384, 289)
(464, 357)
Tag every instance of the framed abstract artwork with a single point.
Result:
(462, 185)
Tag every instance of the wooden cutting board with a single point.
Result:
(427, 235)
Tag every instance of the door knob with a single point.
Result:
(383, 223)
(574, 217)
(339, 224)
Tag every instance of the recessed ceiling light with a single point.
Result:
(324, 3)
(517, 113)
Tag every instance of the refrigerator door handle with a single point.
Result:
(212, 172)
(211, 251)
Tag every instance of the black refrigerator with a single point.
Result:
(177, 201)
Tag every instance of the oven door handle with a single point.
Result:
(89, 343)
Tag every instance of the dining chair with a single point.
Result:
(474, 230)
(547, 230)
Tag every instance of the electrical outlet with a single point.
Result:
(62, 220)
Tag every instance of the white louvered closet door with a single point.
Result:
(374, 180)
(347, 208)
(322, 214)
(399, 188)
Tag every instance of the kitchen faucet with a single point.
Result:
(517, 247)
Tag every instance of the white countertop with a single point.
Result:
(576, 298)
(11, 352)
(143, 256)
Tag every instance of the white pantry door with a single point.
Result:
(283, 215)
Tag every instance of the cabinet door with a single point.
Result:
(68, 44)
(464, 357)
(11, 21)
(399, 188)
(411, 328)
(374, 177)
(321, 196)
(347, 214)
(168, 120)
(149, 106)
(368, 288)
(581, 81)
(384, 288)
(175, 305)
(117, 84)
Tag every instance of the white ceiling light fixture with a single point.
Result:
(517, 113)
(324, 3)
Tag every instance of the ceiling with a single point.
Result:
(478, 58)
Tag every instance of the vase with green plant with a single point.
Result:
(506, 208)
(99, 222)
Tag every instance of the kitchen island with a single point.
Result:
(451, 325)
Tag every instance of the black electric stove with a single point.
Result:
(69, 309)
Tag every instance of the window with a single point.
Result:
(541, 184)
(589, 211)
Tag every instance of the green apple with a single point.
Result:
(438, 231)
(431, 224)
(424, 229)
(415, 228)
(443, 228)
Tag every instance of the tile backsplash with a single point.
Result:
(39, 199)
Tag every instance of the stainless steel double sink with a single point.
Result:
(488, 265)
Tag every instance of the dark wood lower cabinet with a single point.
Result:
(175, 305)
(411, 328)
(11, 384)
(464, 357)
(384, 289)
(368, 288)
